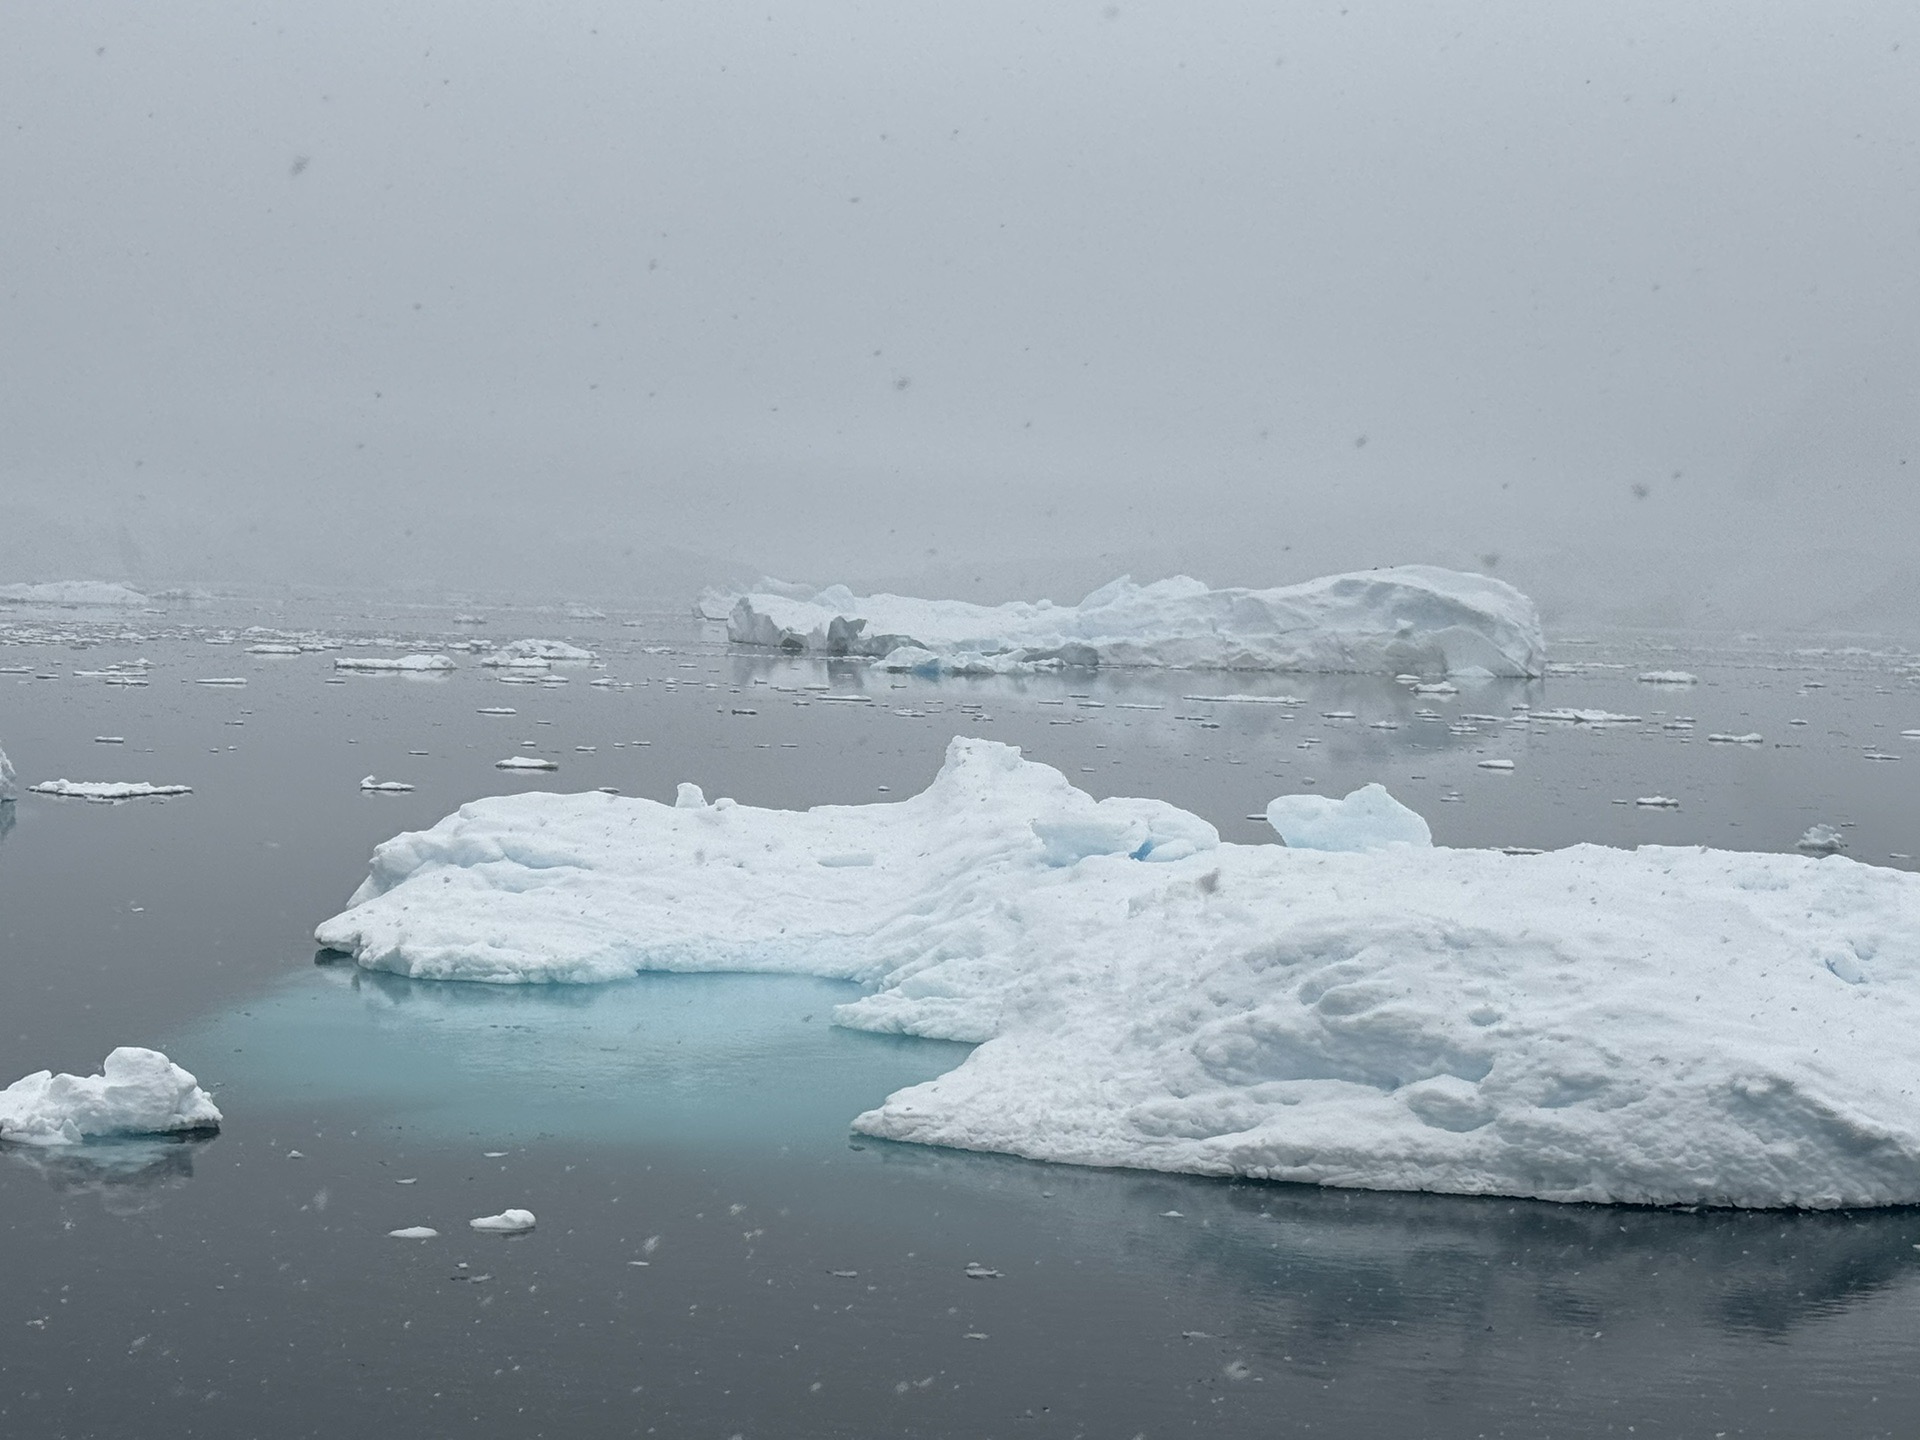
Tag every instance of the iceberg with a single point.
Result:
(1415, 620)
(1666, 1025)
(507, 1222)
(73, 592)
(139, 1092)
(6, 777)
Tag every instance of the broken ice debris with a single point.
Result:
(1658, 802)
(1667, 677)
(1752, 738)
(507, 1222)
(392, 787)
(525, 762)
(138, 1092)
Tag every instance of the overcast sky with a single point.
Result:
(1043, 288)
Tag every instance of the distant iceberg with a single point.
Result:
(1656, 1026)
(139, 1092)
(73, 592)
(1408, 620)
(108, 790)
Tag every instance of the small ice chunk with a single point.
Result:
(507, 1222)
(525, 762)
(690, 797)
(391, 787)
(1751, 738)
(1822, 840)
(1496, 764)
(1658, 802)
(138, 1092)
(415, 1232)
(1367, 819)
(1667, 677)
(976, 1271)
(233, 680)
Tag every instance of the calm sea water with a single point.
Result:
(715, 1255)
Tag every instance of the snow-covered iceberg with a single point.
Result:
(1410, 619)
(139, 1092)
(73, 592)
(1662, 1025)
(107, 790)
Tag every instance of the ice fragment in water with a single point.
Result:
(525, 762)
(138, 1092)
(507, 1222)
(1822, 840)
(414, 1232)
(1367, 819)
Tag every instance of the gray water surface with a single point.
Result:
(715, 1254)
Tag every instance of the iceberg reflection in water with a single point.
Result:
(120, 1172)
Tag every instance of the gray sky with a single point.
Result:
(990, 297)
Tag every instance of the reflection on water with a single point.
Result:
(122, 1173)
(1467, 1300)
(700, 1059)
(6, 818)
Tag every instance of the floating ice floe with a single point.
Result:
(139, 1092)
(1822, 840)
(525, 762)
(73, 592)
(1658, 802)
(1667, 677)
(412, 664)
(1368, 819)
(1663, 1025)
(388, 787)
(507, 1222)
(108, 789)
(273, 647)
(415, 1232)
(536, 654)
(1415, 619)
(6, 777)
(1752, 738)
(1582, 717)
(230, 680)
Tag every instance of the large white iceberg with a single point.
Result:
(1410, 619)
(73, 592)
(1663, 1025)
(139, 1092)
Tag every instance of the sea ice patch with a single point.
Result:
(1367, 819)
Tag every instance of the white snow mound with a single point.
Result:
(1663, 1025)
(1410, 619)
(1368, 819)
(140, 1092)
